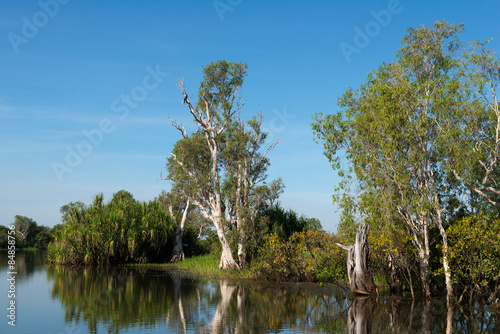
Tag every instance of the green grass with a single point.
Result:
(206, 266)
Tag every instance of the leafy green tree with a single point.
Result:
(4, 237)
(245, 168)
(67, 208)
(284, 223)
(122, 196)
(25, 229)
(218, 167)
(389, 131)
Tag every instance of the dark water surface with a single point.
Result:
(56, 299)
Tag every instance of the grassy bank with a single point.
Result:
(206, 266)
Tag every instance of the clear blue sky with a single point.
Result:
(100, 67)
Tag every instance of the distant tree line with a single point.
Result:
(28, 234)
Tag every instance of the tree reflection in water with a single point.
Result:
(126, 298)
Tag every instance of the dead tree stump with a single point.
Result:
(359, 265)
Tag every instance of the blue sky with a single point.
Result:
(86, 87)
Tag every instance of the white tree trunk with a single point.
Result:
(226, 259)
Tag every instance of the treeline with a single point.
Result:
(120, 231)
(28, 234)
(128, 231)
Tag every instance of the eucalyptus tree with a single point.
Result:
(389, 131)
(25, 229)
(471, 133)
(219, 166)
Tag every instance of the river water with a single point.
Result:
(58, 299)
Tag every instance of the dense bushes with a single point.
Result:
(121, 231)
(311, 256)
(475, 256)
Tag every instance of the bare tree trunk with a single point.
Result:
(425, 276)
(449, 319)
(396, 272)
(226, 259)
(447, 271)
(242, 256)
(178, 252)
(359, 264)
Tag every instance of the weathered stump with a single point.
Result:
(359, 265)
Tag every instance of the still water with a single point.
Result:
(56, 299)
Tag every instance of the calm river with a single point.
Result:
(55, 299)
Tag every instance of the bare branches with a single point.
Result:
(179, 127)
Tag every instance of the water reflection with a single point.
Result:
(27, 263)
(124, 298)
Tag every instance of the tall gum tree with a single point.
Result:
(218, 167)
(388, 131)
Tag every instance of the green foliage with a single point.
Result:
(220, 167)
(28, 234)
(4, 237)
(25, 230)
(121, 231)
(309, 256)
(67, 208)
(284, 223)
(221, 80)
(475, 255)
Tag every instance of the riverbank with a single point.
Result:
(206, 266)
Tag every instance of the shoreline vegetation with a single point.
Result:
(417, 150)
(207, 267)
(200, 266)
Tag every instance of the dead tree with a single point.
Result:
(359, 265)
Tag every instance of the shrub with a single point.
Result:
(310, 256)
(121, 231)
(475, 255)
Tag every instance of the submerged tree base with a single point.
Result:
(358, 264)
